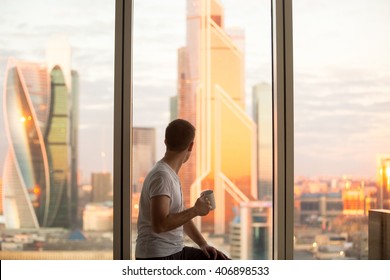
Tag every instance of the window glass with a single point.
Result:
(56, 72)
(341, 79)
(209, 62)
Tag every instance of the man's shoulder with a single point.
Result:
(160, 169)
(158, 175)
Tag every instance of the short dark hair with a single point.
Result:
(179, 134)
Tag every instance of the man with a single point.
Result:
(162, 219)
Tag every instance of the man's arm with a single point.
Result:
(163, 221)
(193, 233)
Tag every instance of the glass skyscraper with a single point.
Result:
(37, 173)
(211, 96)
(262, 114)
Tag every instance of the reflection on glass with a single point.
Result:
(213, 90)
(48, 210)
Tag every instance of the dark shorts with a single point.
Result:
(188, 253)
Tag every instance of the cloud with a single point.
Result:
(340, 119)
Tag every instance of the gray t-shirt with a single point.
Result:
(161, 180)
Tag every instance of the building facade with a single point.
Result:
(251, 232)
(211, 96)
(101, 183)
(37, 173)
(383, 181)
(262, 114)
(144, 155)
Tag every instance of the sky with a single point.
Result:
(341, 86)
(341, 71)
(27, 26)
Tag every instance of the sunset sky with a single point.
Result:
(341, 71)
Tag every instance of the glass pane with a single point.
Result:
(56, 72)
(341, 64)
(209, 62)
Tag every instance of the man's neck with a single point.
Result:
(174, 160)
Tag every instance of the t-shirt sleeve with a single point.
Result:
(160, 185)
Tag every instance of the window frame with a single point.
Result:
(283, 132)
(122, 129)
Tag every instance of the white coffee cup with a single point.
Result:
(209, 194)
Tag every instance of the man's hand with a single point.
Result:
(202, 206)
(213, 253)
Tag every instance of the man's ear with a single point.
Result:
(191, 146)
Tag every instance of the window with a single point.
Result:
(56, 65)
(341, 80)
(219, 77)
(58, 119)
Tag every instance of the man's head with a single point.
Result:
(179, 135)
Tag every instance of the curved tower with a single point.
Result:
(36, 180)
(26, 172)
(58, 151)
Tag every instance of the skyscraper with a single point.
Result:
(211, 96)
(251, 232)
(383, 181)
(262, 114)
(37, 172)
(26, 171)
(58, 150)
(101, 187)
(144, 154)
(173, 108)
(186, 109)
(144, 157)
(74, 145)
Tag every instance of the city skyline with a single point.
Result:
(326, 132)
(341, 98)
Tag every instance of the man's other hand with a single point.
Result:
(213, 253)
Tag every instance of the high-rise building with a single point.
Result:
(58, 149)
(186, 109)
(74, 136)
(262, 114)
(358, 198)
(211, 96)
(383, 181)
(173, 108)
(38, 172)
(144, 155)
(26, 171)
(251, 232)
(58, 54)
(101, 187)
